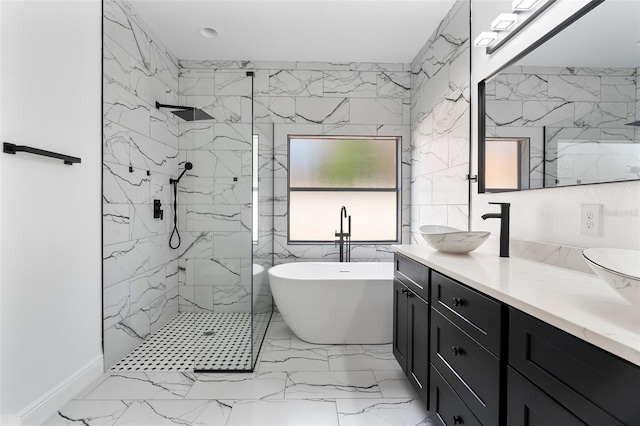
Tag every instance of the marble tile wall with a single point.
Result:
(591, 106)
(309, 98)
(140, 146)
(215, 197)
(440, 119)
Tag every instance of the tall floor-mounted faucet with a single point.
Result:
(504, 226)
(344, 238)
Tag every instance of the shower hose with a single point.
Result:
(175, 216)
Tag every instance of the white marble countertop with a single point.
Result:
(576, 302)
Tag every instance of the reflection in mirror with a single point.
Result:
(570, 107)
(507, 164)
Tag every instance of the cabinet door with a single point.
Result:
(592, 383)
(400, 323)
(529, 406)
(418, 346)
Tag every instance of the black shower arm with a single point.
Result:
(179, 177)
(186, 108)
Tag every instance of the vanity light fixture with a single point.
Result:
(507, 25)
(504, 21)
(485, 39)
(523, 5)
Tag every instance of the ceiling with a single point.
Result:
(295, 30)
(608, 37)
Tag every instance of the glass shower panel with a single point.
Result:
(262, 303)
(216, 218)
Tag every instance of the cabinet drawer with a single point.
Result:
(476, 314)
(471, 370)
(412, 274)
(587, 380)
(447, 409)
(528, 406)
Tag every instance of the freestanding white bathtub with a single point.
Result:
(336, 303)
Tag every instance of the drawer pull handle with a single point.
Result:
(456, 351)
(457, 420)
(458, 301)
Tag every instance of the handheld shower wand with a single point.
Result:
(174, 182)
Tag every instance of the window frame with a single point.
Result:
(523, 162)
(397, 189)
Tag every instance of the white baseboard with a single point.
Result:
(40, 410)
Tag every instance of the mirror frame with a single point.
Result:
(482, 101)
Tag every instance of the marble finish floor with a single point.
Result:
(295, 383)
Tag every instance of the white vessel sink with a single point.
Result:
(452, 240)
(619, 268)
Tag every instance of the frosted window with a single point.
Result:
(326, 173)
(340, 163)
(315, 216)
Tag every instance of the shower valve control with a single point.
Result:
(158, 213)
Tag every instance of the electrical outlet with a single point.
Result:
(590, 215)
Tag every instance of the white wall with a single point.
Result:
(51, 223)
(547, 215)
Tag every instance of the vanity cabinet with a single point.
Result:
(551, 368)
(411, 324)
(480, 361)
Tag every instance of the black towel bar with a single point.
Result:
(10, 148)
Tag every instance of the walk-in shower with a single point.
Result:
(185, 291)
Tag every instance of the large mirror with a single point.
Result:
(566, 112)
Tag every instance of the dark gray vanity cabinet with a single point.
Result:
(482, 362)
(411, 323)
(551, 371)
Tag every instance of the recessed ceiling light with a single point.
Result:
(504, 21)
(208, 32)
(486, 38)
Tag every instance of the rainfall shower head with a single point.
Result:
(186, 113)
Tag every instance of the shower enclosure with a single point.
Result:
(222, 277)
(202, 305)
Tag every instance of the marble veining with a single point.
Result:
(289, 397)
(439, 120)
(140, 148)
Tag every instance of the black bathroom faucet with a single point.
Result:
(504, 226)
(344, 238)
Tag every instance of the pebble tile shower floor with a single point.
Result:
(197, 341)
